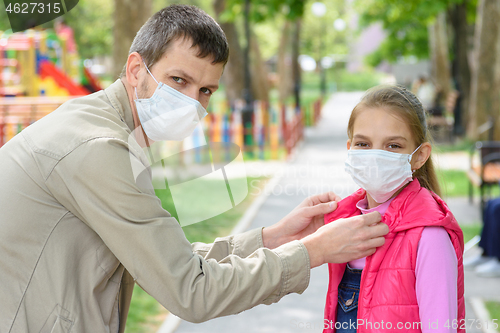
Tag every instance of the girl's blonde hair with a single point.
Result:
(407, 106)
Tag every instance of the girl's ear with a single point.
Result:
(348, 144)
(421, 156)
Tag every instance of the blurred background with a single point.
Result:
(288, 58)
(287, 52)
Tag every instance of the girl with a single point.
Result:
(415, 281)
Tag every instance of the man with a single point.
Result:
(76, 231)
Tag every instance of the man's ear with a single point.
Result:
(421, 156)
(348, 144)
(133, 68)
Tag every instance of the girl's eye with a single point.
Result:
(361, 144)
(178, 79)
(394, 146)
(206, 91)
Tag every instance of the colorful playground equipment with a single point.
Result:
(37, 74)
(273, 132)
(37, 63)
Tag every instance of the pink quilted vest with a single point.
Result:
(387, 300)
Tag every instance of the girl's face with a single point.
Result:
(378, 128)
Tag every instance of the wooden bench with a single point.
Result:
(486, 174)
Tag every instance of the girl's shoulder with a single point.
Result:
(417, 206)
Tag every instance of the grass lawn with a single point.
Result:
(454, 183)
(146, 314)
(460, 145)
(471, 230)
(494, 310)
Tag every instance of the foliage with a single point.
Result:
(262, 10)
(4, 20)
(406, 24)
(92, 23)
(318, 35)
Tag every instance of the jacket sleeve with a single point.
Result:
(95, 182)
(241, 245)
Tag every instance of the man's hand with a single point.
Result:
(304, 220)
(344, 240)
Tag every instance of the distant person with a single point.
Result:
(417, 276)
(487, 264)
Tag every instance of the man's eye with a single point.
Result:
(178, 79)
(206, 91)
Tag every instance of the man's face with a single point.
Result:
(181, 69)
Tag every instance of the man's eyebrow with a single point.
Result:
(183, 74)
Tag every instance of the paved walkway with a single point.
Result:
(318, 167)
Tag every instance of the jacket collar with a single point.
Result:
(117, 95)
(408, 204)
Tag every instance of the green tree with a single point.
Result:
(92, 24)
(485, 99)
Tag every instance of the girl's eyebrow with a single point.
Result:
(398, 137)
(390, 138)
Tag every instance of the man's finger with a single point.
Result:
(374, 243)
(324, 197)
(320, 209)
(371, 218)
(377, 230)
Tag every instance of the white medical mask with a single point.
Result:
(168, 114)
(381, 173)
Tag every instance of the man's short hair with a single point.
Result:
(180, 21)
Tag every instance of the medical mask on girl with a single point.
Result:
(168, 114)
(380, 173)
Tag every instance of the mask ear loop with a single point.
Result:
(410, 157)
(150, 72)
(135, 88)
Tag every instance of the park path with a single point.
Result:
(318, 166)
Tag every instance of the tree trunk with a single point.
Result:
(260, 77)
(295, 63)
(285, 82)
(485, 97)
(440, 57)
(460, 67)
(233, 77)
(129, 17)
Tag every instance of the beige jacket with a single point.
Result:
(76, 232)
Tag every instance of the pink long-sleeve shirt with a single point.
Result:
(436, 275)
